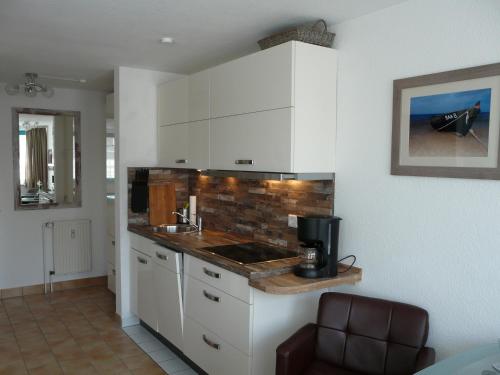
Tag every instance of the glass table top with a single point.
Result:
(477, 361)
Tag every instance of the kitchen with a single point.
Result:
(236, 148)
(230, 188)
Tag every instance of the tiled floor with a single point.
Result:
(76, 332)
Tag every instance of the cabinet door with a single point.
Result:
(146, 308)
(111, 250)
(257, 82)
(173, 102)
(133, 281)
(253, 142)
(184, 145)
(199, 96)
(168, 297)
(173, 146)
(111, 278)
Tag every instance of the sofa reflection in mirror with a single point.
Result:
(46, 147)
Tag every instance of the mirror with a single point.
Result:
(47, 158)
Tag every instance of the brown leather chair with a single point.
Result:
(358, 335)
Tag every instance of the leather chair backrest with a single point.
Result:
(369, 335)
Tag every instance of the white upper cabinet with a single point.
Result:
(173, 102)
(185, 99)
(272, 111)
(250, 97)
(260, 141)
(199, 96)
(257, 82)
(184, 145)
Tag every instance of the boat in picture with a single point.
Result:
(459, 122)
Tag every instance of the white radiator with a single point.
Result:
(72, 250)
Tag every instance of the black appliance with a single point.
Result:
(252, 252)
(320, 240)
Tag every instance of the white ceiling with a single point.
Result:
(88, 38)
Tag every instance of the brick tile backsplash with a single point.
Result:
(254, 209)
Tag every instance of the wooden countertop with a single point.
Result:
(288, 283)
(271, 277)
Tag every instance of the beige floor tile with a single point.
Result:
(138, 361)
(71, 332)
(13, 368)
(46, 370)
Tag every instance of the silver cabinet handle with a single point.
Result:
(181, 161)
(161, 256)
(244, 162)
(142, 260)
(213, 274)
(211, 297)
(211, 343)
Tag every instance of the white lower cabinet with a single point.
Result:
(224, 326)
(133, 280)
(212, 353)
(212, 307)
(167, 285)
(146, 308)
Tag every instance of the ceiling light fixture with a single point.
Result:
(31, 87)
(167, 40)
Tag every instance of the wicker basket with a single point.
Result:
(313, 33)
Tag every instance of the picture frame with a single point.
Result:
(447, 124)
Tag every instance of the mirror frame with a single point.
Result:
(77, 199)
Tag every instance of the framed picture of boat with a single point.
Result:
(448, 124)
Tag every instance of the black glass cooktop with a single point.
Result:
(248, 253)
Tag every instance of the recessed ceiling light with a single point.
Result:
(167, 40)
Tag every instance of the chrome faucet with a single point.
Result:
(198, 220)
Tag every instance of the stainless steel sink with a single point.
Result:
(175, 228)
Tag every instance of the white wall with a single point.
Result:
(135, 120)
(21, 261)
(433, 242)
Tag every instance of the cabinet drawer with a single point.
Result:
(259, 141)
(229, 282)
(227, 316)
(167, 258)
(141, 244)
(211, 353)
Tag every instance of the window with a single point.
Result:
(110, 156)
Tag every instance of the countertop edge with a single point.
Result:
(280, 281)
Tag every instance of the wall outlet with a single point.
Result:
(292, 221)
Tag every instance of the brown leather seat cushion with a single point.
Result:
(322, 368)
(368, 335)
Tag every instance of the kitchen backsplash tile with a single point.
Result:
(255, 209)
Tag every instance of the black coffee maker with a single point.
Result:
(320, 240)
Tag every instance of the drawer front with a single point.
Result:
(211, 353)
(229, 282)
(141, 244)
(260, 141)
(167, 258)
(227, 316)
